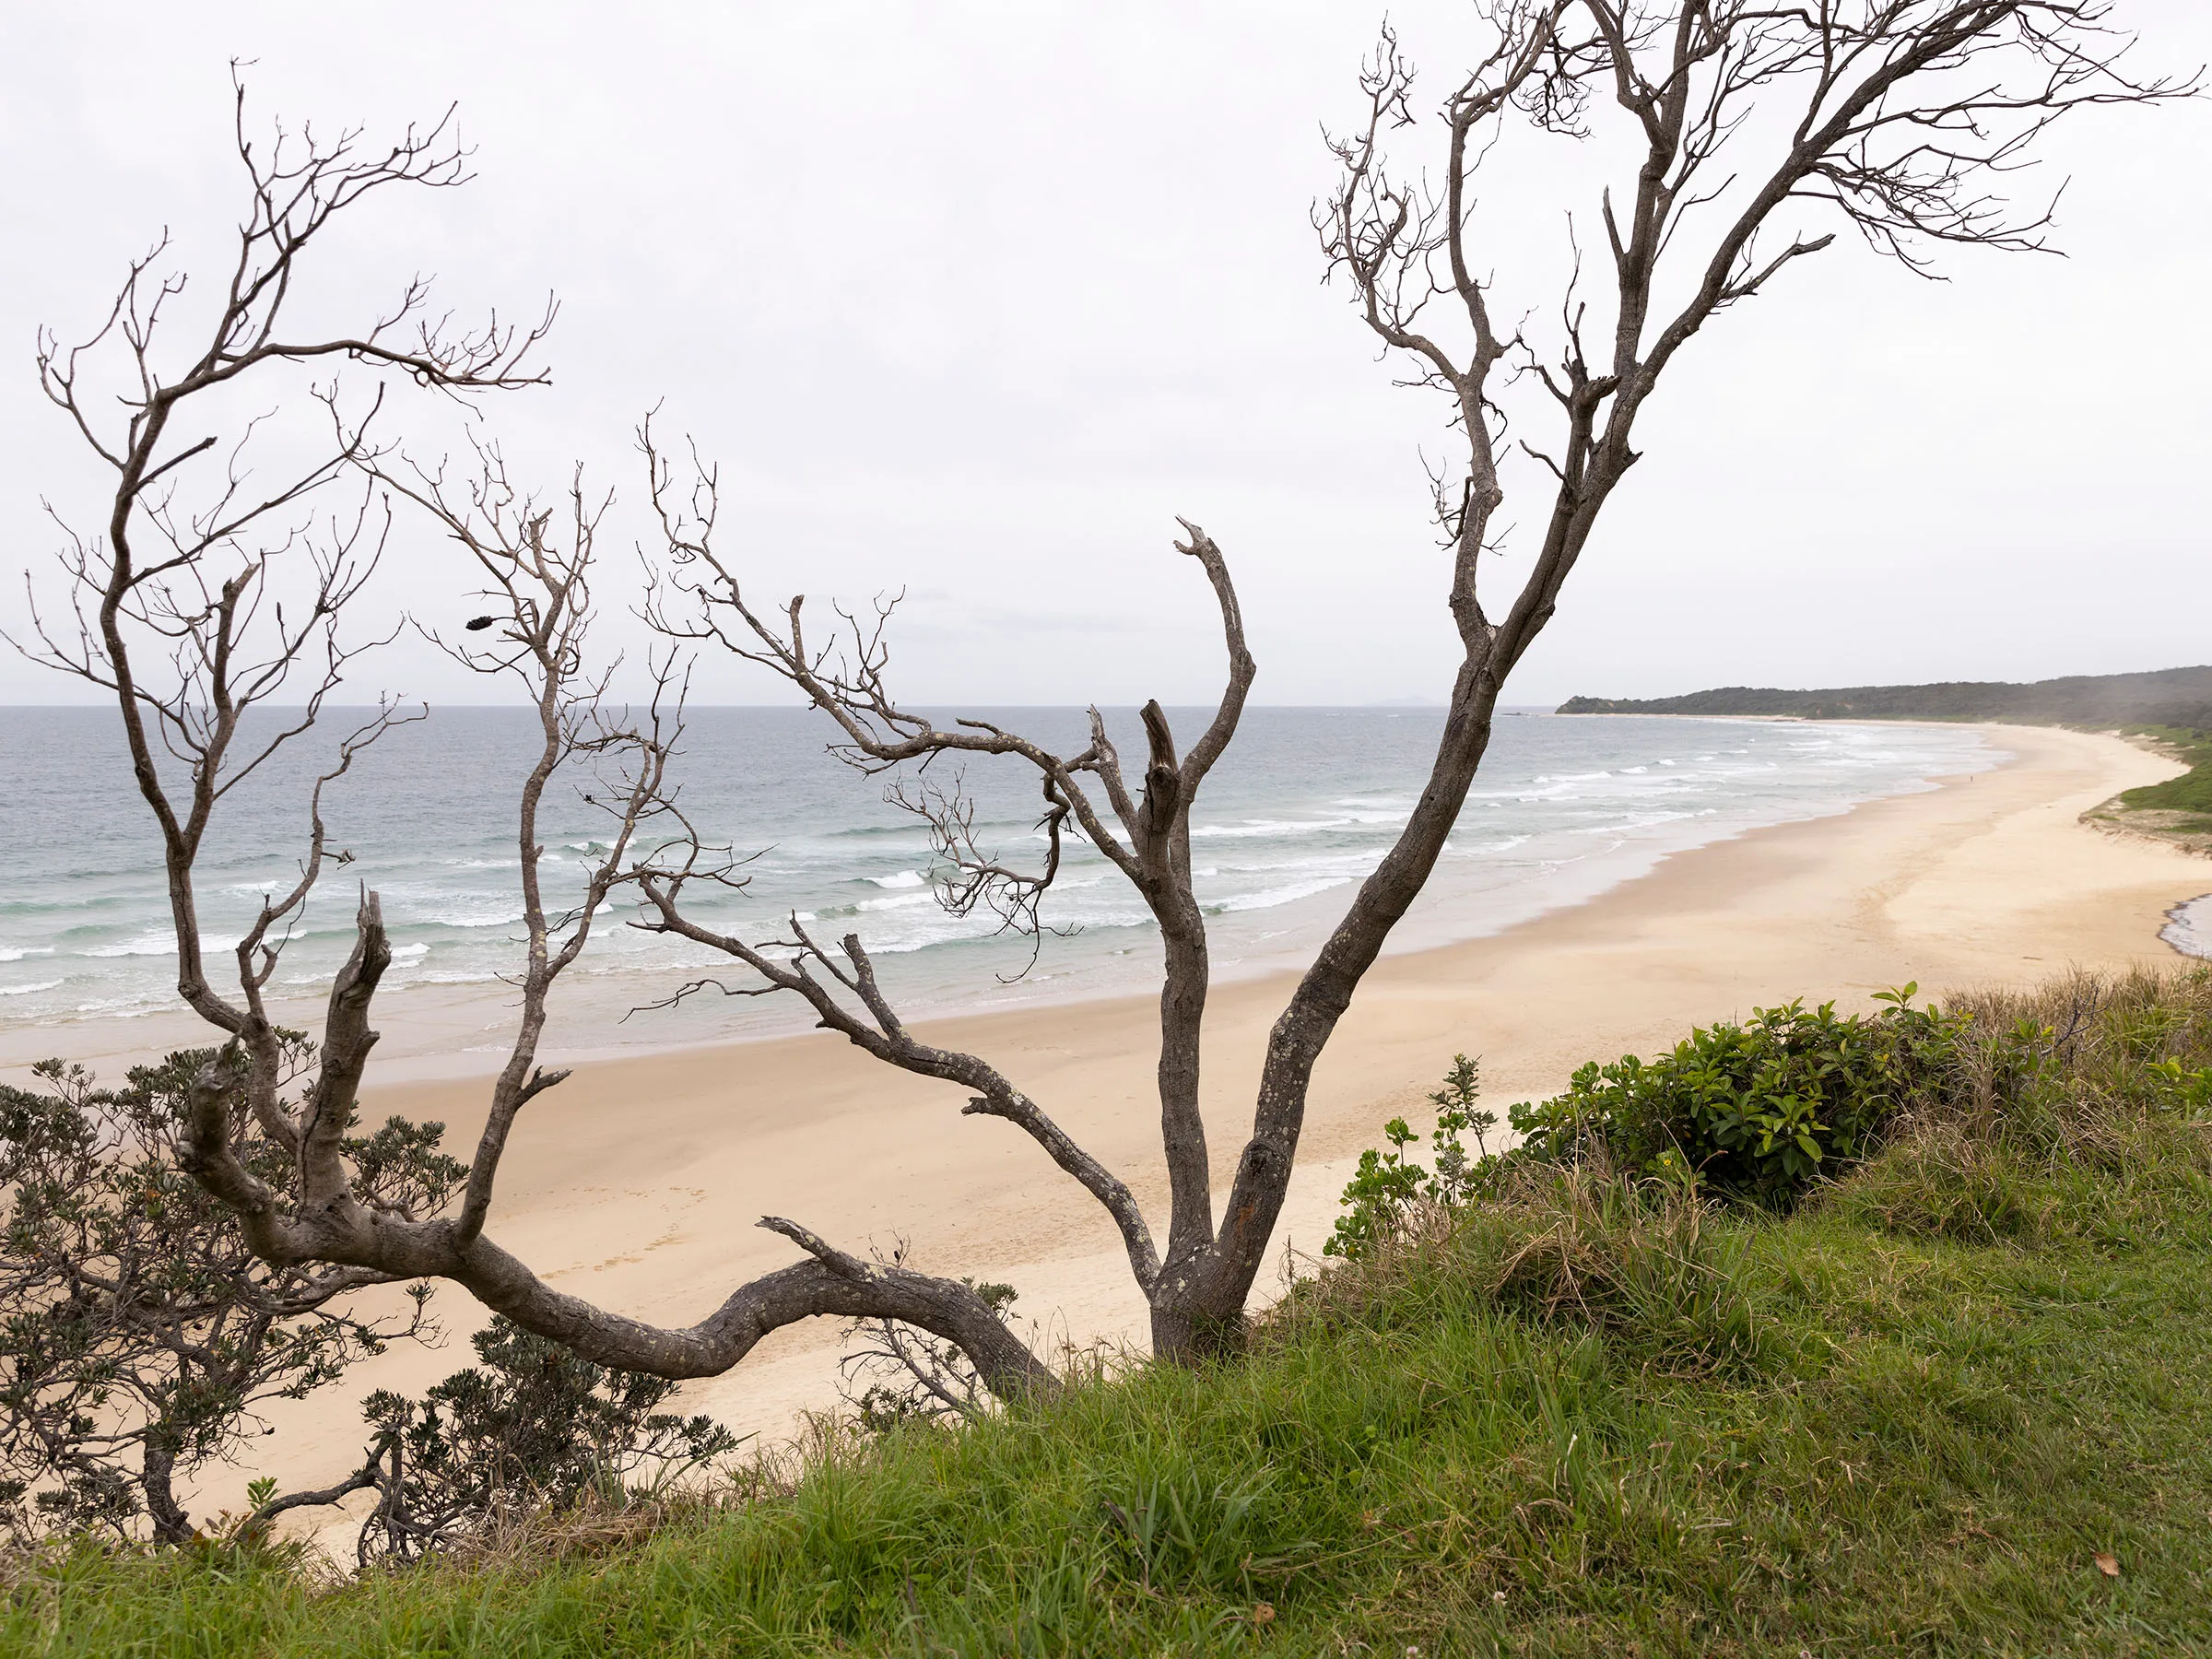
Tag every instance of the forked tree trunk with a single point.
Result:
(1893, 116)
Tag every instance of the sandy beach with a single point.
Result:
(637, 1182)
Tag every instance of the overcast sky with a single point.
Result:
(972, 300)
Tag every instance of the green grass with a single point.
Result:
(1585, 1419)
(2191, 791)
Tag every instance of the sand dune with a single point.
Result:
(637, 1182)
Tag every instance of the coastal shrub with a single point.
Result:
(1990, 1100)
(139, 1336)
(535, 1426)
(1388, 1184)
(1754, 1112)
(138, 1333)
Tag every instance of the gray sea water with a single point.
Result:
(1300, 809)
(2189, 927)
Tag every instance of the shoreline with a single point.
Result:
(637, 1182)
(436, 1031)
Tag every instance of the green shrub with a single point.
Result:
(535, 1426)
(1388, 1184)
(139, 1336)
(1757, 1110)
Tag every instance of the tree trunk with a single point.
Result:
(172, 1525)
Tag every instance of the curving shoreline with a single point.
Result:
(636, 1183)
(1568, 811)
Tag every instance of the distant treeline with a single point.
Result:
(2171, 697)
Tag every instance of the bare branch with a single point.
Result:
(1904, 117)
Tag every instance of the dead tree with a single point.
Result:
(1759, 131)
(1897, 117)
(195, 611)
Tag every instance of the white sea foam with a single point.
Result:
(505, 913)
(1268, 898)
(903, 902)
(1634, 820)
(1306, 802)
(119, 1007)
(27, 990)
(147, 946)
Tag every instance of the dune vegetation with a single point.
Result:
(2180, 809)
(2190, 792)
(1947, 1396)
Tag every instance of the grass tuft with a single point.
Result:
(1591, 1415)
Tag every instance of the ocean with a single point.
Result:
(1300, 810)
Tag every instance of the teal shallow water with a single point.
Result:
(1302, 809)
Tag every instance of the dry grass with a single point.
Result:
(2084, 1076)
